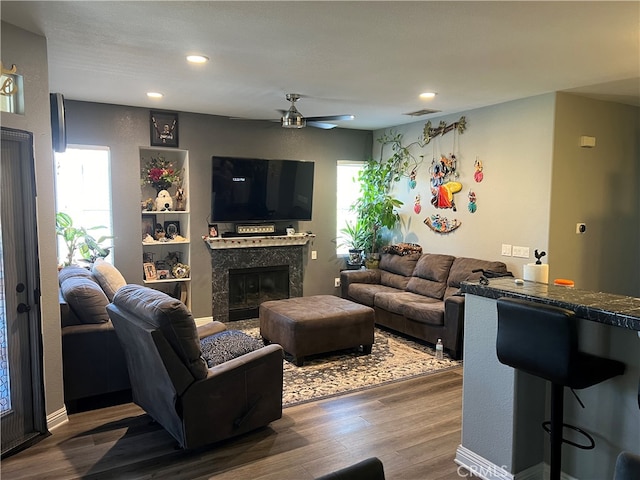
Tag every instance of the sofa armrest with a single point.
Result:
(235, 397)
(454, 322)
(67, 316)
(347, 277)
(210, 328)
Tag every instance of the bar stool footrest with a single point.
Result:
(547, 428)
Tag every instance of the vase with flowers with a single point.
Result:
(160, 173)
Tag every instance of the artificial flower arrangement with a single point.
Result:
(160, 174)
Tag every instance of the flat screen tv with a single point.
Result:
(259, 190)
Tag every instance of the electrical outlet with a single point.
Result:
(506, 250)
(336, 282)
(314, 254)
(522, 252)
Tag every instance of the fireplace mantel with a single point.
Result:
(218, 243)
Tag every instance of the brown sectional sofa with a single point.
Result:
(418, 294)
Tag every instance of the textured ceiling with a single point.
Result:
(370, 59)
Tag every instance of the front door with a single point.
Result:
(22, 410)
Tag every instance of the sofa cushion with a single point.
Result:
(393, 280)
(425, 310)
(462, 271)
(364, 293)
(394, 302)
(430, 275)
(74, 271)
(86, 299)
(108, 276)
(227, 345)
(400, 264)
(158, 310)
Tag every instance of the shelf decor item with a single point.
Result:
(148, 226)
(149, 271)
(164, 129)
(172, 227)
(160, 173)
(180, 270)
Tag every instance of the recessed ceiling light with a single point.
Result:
(197, 59)
(154, 95)
(427, 95)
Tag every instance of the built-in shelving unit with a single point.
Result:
(175, 246)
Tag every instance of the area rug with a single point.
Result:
(393, 358)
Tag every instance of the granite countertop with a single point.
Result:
(607, 308)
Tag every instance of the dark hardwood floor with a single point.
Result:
(412, 426)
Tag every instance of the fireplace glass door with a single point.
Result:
(249, 287)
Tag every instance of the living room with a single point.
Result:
(537, 186)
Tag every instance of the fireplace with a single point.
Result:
(255, 256)
(249, 287)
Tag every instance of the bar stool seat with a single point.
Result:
(542, 340)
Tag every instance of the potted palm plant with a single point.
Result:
(354, 236)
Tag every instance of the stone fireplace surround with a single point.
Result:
(224, 258)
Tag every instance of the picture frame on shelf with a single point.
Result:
(148, 225)
(163, 129)
(172, 228)
(149, 271)
(163, 274)
(213, 230)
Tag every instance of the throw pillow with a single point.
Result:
(227, 345)
(86, 299)
(108, 276)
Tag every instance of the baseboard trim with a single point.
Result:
(479, 466)
(483, 468)
(57, 418)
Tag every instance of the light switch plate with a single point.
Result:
(506, 250)
(522, 252)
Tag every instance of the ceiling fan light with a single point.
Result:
(293, 119)
(293, 122)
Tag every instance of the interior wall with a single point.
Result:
(124, 129)
(599, 187)
(514, 142)
(29, 53)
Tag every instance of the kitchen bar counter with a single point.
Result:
(607, 308)
(502, 408)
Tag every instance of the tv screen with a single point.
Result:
(260, 190)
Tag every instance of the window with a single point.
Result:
(83, 190)
(347, 192)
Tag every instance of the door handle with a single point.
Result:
(23, 308)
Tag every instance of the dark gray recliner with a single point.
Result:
(170, 379)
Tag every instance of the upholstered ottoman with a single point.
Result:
(318, 324)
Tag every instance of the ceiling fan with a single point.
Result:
(292, 118)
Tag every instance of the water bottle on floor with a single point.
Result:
(439, 350)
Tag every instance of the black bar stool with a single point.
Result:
(542, 340)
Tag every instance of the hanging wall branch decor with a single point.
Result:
(460, 126)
